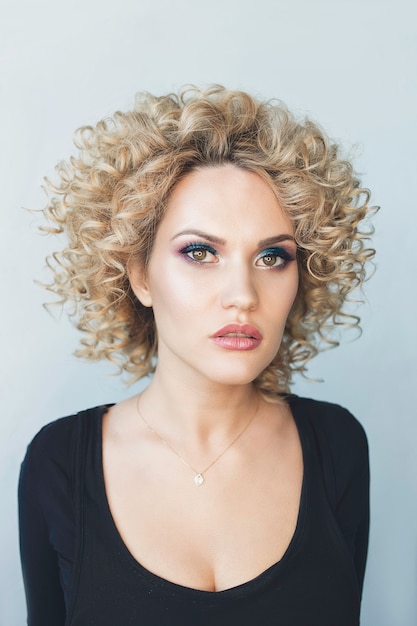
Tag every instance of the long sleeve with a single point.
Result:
(44, 596)
(47, 524)
(352, 507)
(348, 448)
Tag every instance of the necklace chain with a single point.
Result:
(199, 476)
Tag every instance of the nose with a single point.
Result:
(239, 289)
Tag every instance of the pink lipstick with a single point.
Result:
(237, 337)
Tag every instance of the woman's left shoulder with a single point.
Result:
(343, 431)
(342, 447)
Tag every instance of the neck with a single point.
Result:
(205, 414)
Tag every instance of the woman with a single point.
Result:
(213, 241)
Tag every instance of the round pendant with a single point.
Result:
(198, 479)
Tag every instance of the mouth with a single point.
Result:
(237, 337)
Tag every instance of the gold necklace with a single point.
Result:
(199, 476)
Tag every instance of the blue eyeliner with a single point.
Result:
(197, 246)
(280, 252)
(276, 252)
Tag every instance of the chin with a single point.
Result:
(235, 376)
(238, 371)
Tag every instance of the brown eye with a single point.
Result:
(199, 254)
(274, 258)
(269, 260)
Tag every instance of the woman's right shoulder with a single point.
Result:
(55, 443)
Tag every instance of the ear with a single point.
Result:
(139, 283)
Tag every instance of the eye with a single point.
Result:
(200, 253)
(274, 258)
(270, 260)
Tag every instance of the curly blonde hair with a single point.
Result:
(110, 199)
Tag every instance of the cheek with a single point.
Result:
(286, 292)
(293, 292)
(289, 303)
(174, 295)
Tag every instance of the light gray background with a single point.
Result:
(349, 64)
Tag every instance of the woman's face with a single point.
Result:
(222, 277)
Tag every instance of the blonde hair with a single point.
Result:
(110, 199)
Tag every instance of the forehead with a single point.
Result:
(225, 200)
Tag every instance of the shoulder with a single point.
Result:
(52, 449)
(336, 423)
(340, 439)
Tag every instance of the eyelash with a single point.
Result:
(194, 247)
(277, 253)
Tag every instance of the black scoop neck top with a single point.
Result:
(78, 571)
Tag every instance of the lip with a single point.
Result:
(237, 337)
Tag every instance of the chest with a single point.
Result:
(313, 579)
(211, 537)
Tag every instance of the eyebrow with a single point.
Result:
(221, 242)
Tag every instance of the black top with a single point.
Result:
(78, 572)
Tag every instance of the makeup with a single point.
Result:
(199, 252)
(203, 253)
(274, 258)
(221, 279)
(237, 337)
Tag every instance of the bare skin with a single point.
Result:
(224, 254)
(223, 533)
